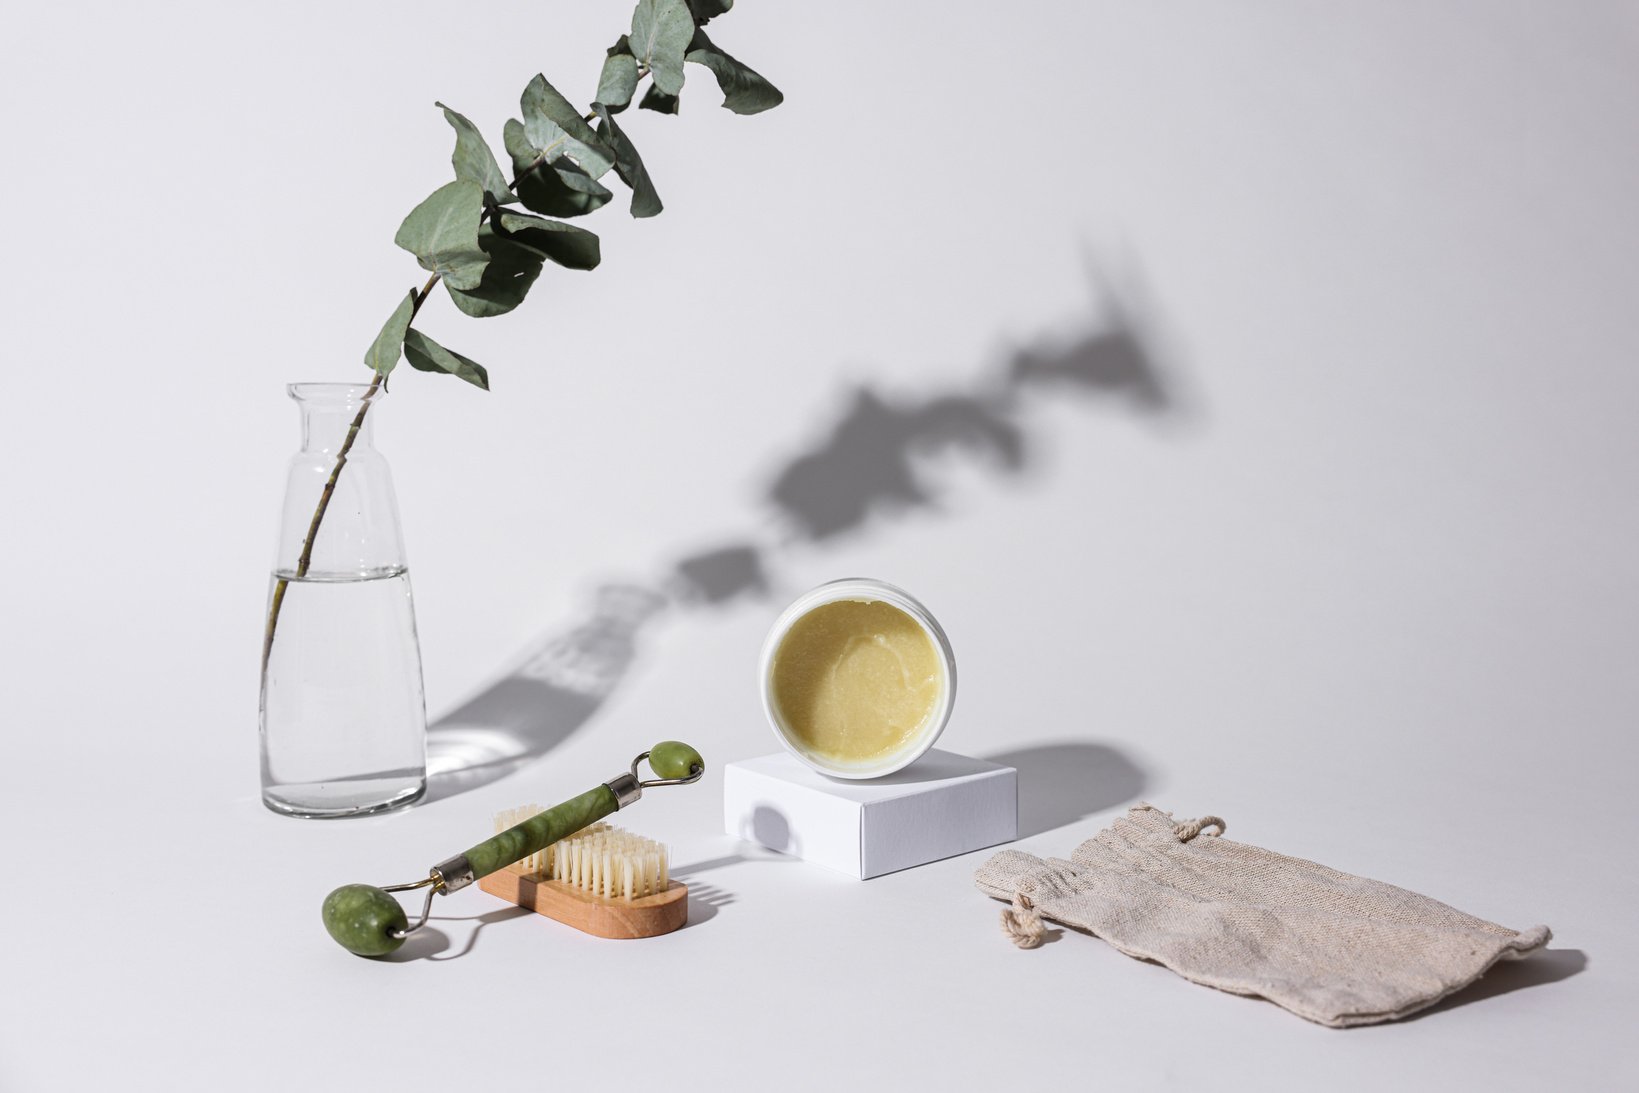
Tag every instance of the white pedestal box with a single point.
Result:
(941, 805)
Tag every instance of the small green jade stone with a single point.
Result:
(673, 759)
(359, 917)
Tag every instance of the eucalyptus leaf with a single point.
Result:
(565, 244)
(426, 355)
(559, 189)
(660, 102)
(518, 148)
(507, 279)
(383, 352)
(704, 11)
(661, 30)
(442, 233)
(745, 91)
(473, 160)
(554, 128)
(628, 165)
(619, 79)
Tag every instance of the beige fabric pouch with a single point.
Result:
(1333, 948)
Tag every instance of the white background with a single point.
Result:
(1360, 578)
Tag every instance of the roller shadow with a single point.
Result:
(683, 872)
(425, 944)
(771, 829)
(1060, 784)
(431, 943)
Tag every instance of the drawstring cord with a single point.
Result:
(1022, 922)
(1185, 830)
(1188, 829)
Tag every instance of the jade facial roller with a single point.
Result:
(366, 920)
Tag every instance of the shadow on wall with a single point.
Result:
(873, 464)
(533, 708)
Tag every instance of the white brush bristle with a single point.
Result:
(600, 860)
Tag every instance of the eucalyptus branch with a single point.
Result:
(487, 254)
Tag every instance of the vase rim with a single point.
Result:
(334, 391)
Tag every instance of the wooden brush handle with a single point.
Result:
(541, 830)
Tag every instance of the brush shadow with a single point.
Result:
(1062, 783)
(704, 901)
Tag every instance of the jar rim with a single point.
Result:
(334, 391)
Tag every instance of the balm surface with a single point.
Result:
(856, 680)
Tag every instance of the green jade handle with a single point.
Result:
(368, 921)
(674, 762)
(541, 830)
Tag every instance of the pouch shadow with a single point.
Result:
(1507, 976)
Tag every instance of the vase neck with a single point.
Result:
(330, 412)
(340, 520)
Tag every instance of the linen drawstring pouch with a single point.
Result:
(1333, 948)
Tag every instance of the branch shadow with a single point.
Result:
(878, 460)
(873, 462)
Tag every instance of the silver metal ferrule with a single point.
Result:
(453, 874)
(626, 788)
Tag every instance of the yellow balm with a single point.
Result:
(856, 685)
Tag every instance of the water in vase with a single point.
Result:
(343, 684)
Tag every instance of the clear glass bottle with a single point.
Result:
(343, 718)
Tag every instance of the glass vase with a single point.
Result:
(343, 718)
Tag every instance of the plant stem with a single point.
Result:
(305, 561)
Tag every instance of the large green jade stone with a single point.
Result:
(674, 759)
(361, 917)
(541, 831)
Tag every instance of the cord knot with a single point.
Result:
(1022, 922)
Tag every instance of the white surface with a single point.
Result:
(1370, 563)
(942, 805)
